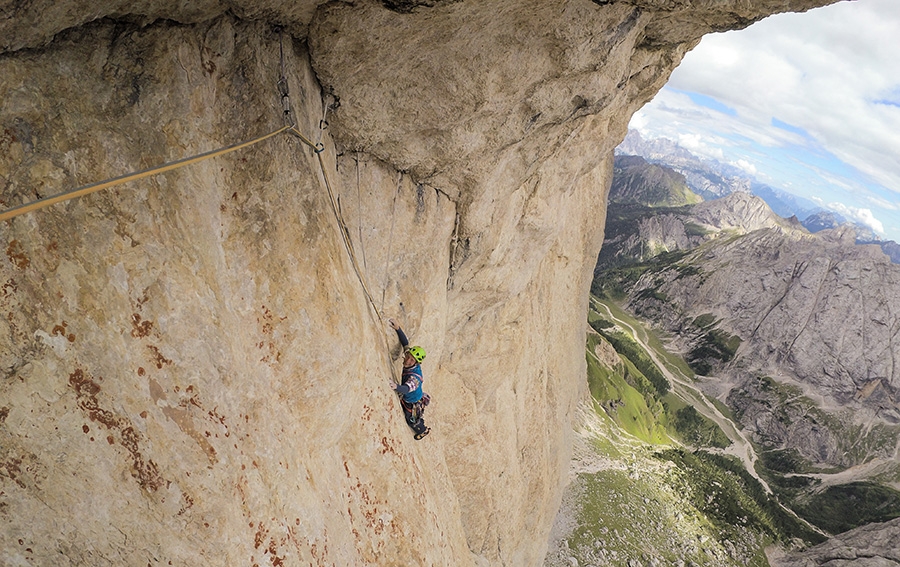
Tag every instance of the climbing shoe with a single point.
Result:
(423, 434)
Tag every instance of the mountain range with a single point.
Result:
(792, 331)
(711, 179)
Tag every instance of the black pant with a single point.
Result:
(416, 422)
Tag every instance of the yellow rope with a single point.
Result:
(318, 148)
(387, 259)
(93, 187)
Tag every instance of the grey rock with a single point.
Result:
(811, 310)
(874, 545)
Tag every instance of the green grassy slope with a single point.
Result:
(651, 489)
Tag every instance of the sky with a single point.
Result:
(808, 103)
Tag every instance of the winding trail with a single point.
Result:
(683, 388)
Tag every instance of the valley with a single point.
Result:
(684, 388)
(699, 504)
(649, 499)
(734, 380)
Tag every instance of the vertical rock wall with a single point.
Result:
(191, 368)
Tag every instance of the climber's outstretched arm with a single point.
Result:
(404, 342)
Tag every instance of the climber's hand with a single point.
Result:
(393, 324)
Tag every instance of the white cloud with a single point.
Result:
(746, 166)
(822, 72)
(638, 121)
(862, 216)
(883, 203)
(690, 141)
(697, 145)
(830, 78)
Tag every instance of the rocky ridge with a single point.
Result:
(191, 368)
(635, 180)
(868, 546)
(712, 179)
(812, 310)
(636, 232)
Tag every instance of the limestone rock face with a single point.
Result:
(818, 310)
(195, 367)
(812, 311)
(190, 369)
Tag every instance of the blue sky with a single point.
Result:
(808, 103)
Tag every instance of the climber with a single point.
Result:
(412, 399)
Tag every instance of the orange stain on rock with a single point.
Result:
(16, 255)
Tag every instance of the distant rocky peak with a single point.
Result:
(635, 180)
(823, 220)
(741, 211)
(657, 148)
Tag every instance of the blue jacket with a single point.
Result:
(411, 388)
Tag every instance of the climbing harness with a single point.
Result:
(416, 409)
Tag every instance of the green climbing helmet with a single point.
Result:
(417, 352)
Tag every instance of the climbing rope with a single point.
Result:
(377, 317)
(359, 216)
(318, 147)
(94, 187)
